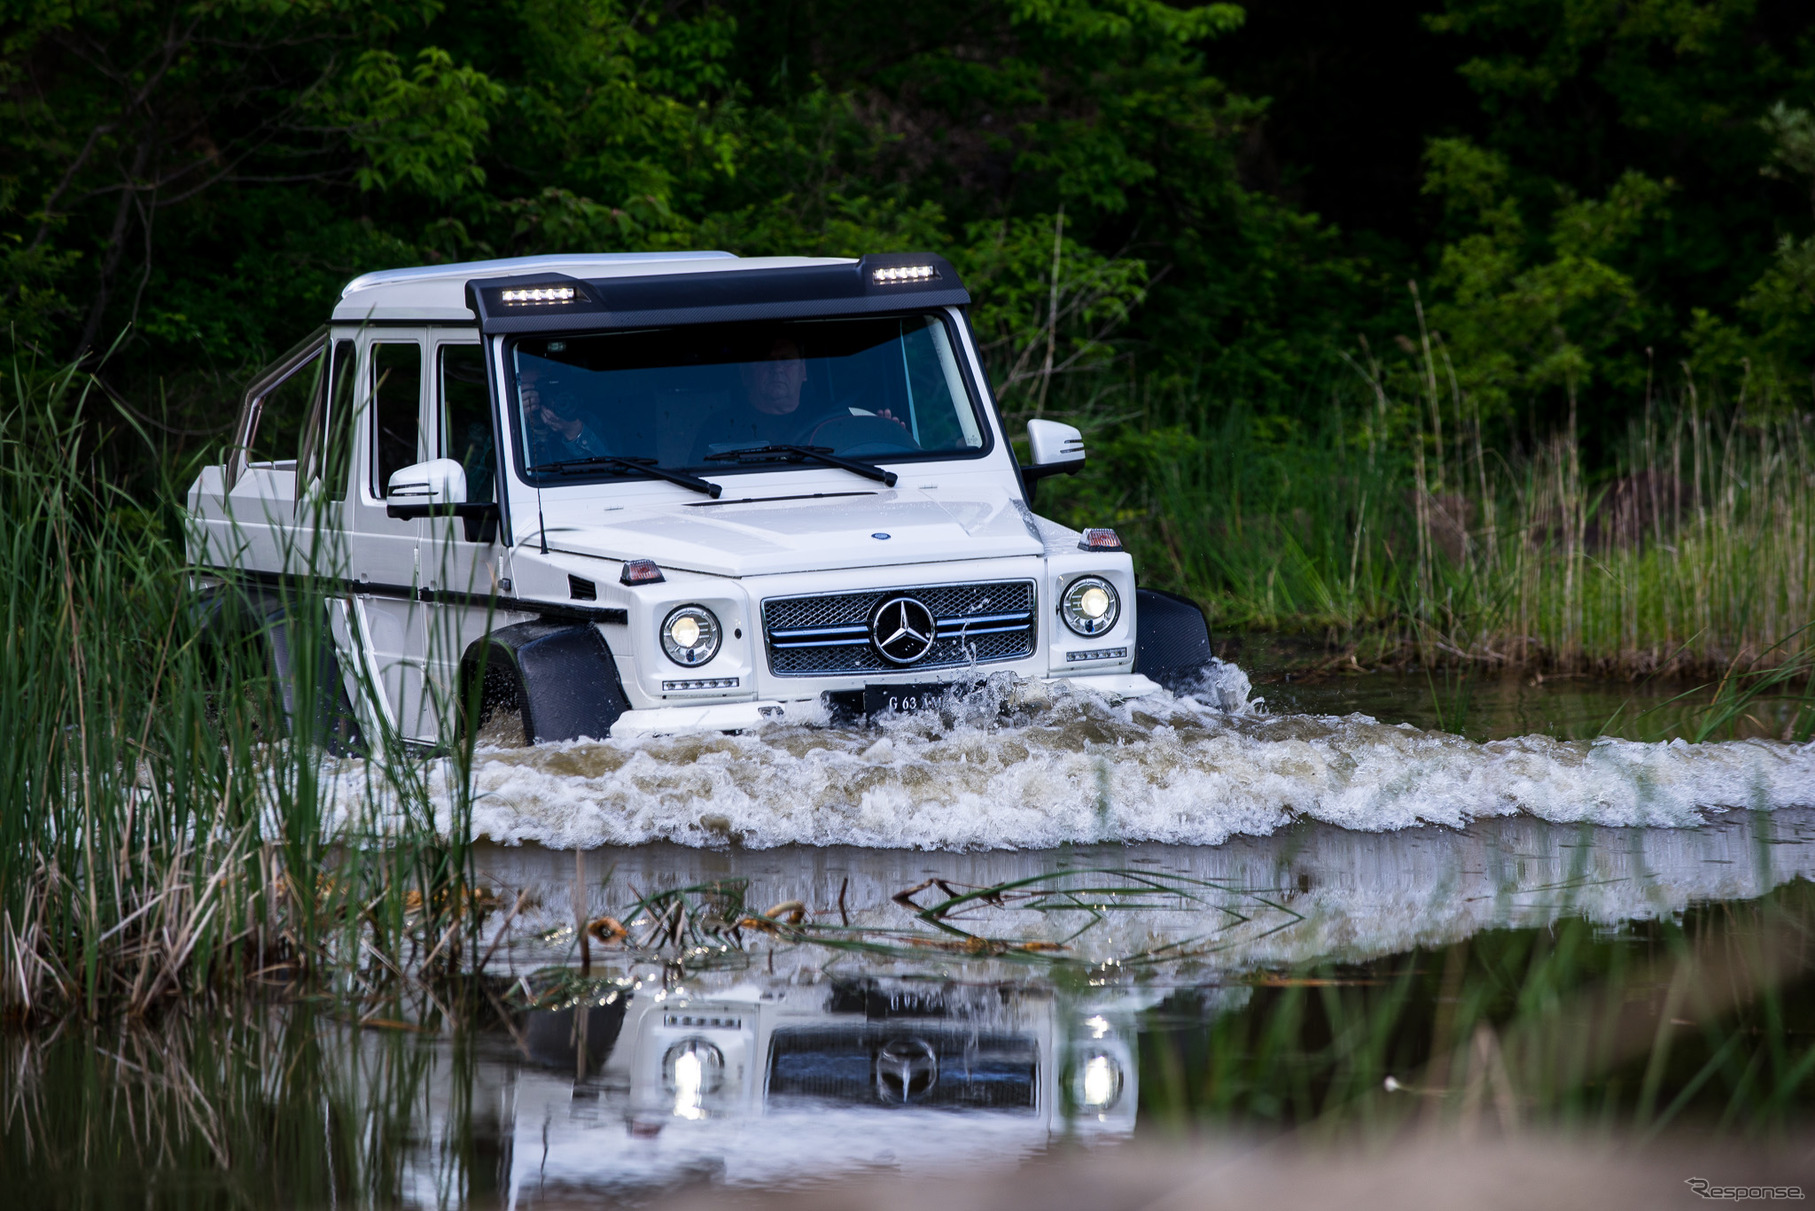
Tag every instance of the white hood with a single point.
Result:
(775, 534)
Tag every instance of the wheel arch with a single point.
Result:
(1172, 638)
(565, 676)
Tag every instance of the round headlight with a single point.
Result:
(1096, 1084)
(692, 1069)
(1090, 606)
(690, 635)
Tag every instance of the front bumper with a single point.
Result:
(739, 716)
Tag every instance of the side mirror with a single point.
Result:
(440, 481)
(437, 488)
(1056, 449)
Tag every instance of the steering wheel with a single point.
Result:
(861, 435)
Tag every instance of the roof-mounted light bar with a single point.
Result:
(891, 275)
(538, 294)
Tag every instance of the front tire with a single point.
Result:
(497, 717)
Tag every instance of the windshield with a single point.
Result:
(712, 397)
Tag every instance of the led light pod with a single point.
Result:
(691, 635)
(538, 294)
(1090, 606)
(893, 274)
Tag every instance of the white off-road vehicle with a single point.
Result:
(618, 494)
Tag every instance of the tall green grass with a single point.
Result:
(166, 831)
(1396, 532)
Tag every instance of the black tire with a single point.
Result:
(255, 624)
(498, 710)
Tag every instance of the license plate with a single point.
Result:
(919, 696)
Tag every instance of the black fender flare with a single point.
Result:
(565, 674)
(1172, 638)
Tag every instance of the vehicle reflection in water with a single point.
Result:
(766, 1082)
(882, 1041)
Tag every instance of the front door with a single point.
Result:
(465, 575)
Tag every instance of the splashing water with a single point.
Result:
(1025, 766)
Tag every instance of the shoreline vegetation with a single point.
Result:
(169, 834)
(1395, 537)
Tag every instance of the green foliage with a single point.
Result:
(1052, 305)
(1586, 100)
(1526, 315)
(420, 130)
(198, 176)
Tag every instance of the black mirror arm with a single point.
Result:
(481, 517)
(1032, 475)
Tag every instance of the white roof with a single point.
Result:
(437, 293)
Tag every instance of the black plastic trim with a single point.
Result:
(1172, 638)
(566, 678)
(566, 611)
(481, 517)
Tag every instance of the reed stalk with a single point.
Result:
(170, 831)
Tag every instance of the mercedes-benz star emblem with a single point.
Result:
(902, 630)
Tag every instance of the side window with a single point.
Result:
(466, 418)
(324, 440)
(278, 424)
(396, 409)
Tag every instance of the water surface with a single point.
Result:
(955, 942)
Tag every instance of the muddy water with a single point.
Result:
(958, 941)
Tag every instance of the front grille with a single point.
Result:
(830, 633)
(982, 1070)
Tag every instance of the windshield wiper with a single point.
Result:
(818, 454)
(632, 466)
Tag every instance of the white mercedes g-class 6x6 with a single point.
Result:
(618, 494)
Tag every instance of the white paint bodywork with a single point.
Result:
(776, 531)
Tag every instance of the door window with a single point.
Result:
(277, 422)
(466, 418)
(324, 439)
(396, 409)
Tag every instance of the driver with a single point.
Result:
(557, 433)
(776, 413)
